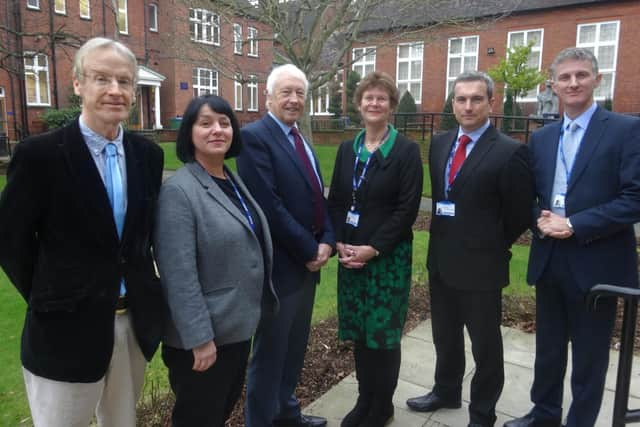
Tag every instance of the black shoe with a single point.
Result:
(430, 402)
(378, 417)
(530, 421)
(357, 415)
(302, 421)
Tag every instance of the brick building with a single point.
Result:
(182, 50)
(427, 62)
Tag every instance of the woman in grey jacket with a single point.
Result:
(214, 254)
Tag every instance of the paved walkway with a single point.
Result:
(416, 378)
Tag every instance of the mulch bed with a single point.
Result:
(328, 360)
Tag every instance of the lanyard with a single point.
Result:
(247, 213)
(563, 159)
(357, 183)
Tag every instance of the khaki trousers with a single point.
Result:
(113, 399)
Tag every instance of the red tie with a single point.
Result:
(458, 157)
(318, 198)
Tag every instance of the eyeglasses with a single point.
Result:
(105, 80)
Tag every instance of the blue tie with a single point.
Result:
(113, 183)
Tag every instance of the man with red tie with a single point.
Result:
(482, 202)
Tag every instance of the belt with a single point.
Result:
(121, 305)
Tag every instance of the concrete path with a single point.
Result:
(416, 378)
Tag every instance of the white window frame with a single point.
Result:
(33, 4)
(35, 70)
(206, 25)
(532, 96)
(63, 10)
(315, 101)
(1, 92)
(410, 60)
(252, 93)
(237, 39)
(252, 39)
(123, 11)
(359, 59)
(88, 14)
(462, 55)
(201, 89)
(237, 93)
(153, 7)
(594, 48)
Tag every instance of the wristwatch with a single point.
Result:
(569, 224)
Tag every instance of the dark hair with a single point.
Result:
(381, 80)
(475, 76)
(185, 149)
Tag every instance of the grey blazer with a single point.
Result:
(211, 263)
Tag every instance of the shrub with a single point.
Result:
(55, 118)
(448, 120)
(406, 105)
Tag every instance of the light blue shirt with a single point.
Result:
(96, 143)
(560, 183)
(475, 136)
(287, 131)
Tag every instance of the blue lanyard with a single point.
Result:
(357, 183)
(563, 159)
(247, 213)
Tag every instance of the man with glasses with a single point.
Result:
(75, 224)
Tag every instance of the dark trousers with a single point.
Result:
(277, 358)
(562, 316)
(206, 399)
(481, 314)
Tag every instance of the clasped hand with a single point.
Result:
(553, 225)
(354, 256)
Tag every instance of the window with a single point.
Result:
(36, 79)
(253, 41)
(252, 89)
(153, 17)
(60, 6)
(33, 4)
(523, 38)
(602, 39)
(85, 9)
(462, 56)
(363, 60)
(409, 71)
(205, 81)
(204, 26)
(320, 102)
(237, 92)
(237, 39)
(123, 20)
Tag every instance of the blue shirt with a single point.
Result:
(96, 143)
(286, 129)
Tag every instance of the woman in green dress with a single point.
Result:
(373, 202)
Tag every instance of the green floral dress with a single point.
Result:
(372, 301)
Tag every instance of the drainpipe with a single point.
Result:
(52, 48)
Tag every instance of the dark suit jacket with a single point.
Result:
(61, 250)
(270, 168)
(602, 200)
(492, 195)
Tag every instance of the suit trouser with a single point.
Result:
(206, 399)
(562, 316)
(113, 399)
(277, 358)
(481, 313)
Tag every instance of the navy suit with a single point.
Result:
(602, 203)
(276, 178)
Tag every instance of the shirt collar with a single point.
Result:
(285, 128)
(583, 119)
(476, 134)
(96, 142)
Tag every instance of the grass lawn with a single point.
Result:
(13, 402)
(3, 181)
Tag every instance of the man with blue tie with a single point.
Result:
(75, 225)
(587, 182)
(482, 191)
(282, 173)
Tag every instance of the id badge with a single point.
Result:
(352, 218)
(558, 201)
(445, 208)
